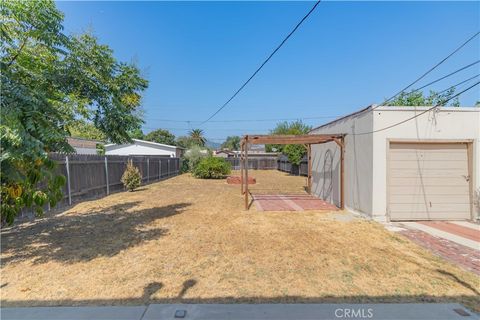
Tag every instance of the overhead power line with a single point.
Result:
(417, 115)
(446, 76)
(264, 62)
(458, 84)
(432, 68)
(248, 120)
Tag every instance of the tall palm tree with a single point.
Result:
(197, 137)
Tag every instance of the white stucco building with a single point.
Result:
(144, 148)
(427, 168)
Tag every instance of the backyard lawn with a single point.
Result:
(189, 240)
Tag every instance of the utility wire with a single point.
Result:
(417, 115)
(431, 69)
(264, 62)
(446, 76)
(323, 117)
(248, 120)
(458, 84)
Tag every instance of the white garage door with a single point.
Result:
(428, 181)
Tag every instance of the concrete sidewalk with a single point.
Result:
(413, 311)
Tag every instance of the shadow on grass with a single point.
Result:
(82, 237)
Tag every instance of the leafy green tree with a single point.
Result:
(231, 143)
(49, 82)
(197, 137)
(161, 136)
(136, 133)
(295, 153)
(184, 142)
(417, 98)
(86, 130)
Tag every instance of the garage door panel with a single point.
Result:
(426, 172)
(419, 165)
(437, 190)
(428, 181)
(450, 215)
(436, 147)
(459, 155)
(417, 198)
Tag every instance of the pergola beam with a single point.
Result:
(291, 139)
(306, 140)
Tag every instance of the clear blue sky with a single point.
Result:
(347, 55)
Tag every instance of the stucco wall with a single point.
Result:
(444, 124)
(366, 155)
(358, 164)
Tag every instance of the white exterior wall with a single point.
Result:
(358, 164)
(140, 148)
(444, 124)
(366, 155)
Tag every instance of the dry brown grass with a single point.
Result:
(188, 240)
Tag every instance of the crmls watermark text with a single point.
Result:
(354, 313)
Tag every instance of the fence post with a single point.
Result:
(106, 176)
(67, 165)
(168, 167)
(148, 169)
(159, 169)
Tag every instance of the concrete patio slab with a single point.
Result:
(386, 311)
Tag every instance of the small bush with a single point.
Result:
(193, 156)
(212, 168)
(131, 178)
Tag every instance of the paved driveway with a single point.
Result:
(456, 241)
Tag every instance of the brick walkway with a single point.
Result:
(466, 257)
(299, 202)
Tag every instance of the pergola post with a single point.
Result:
(241, 167)
(342, 173)
(309, 172)
(246, 172)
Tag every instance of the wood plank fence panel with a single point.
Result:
(88, 174)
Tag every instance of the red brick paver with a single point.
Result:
(465, 257)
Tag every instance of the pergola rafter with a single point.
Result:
(307, 140)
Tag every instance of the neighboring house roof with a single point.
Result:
(83, 143)
(394, 108)
(153, 144)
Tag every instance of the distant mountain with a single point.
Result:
(213, 145)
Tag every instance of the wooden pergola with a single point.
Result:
(306, 140)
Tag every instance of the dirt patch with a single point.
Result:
(189, 240)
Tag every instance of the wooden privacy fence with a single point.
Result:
(280, 163)
(258, 163)
(92, 176)
(286, 166)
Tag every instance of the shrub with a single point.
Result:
(131, 178)
(212, 168)
(184, 166)
(194, 155)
